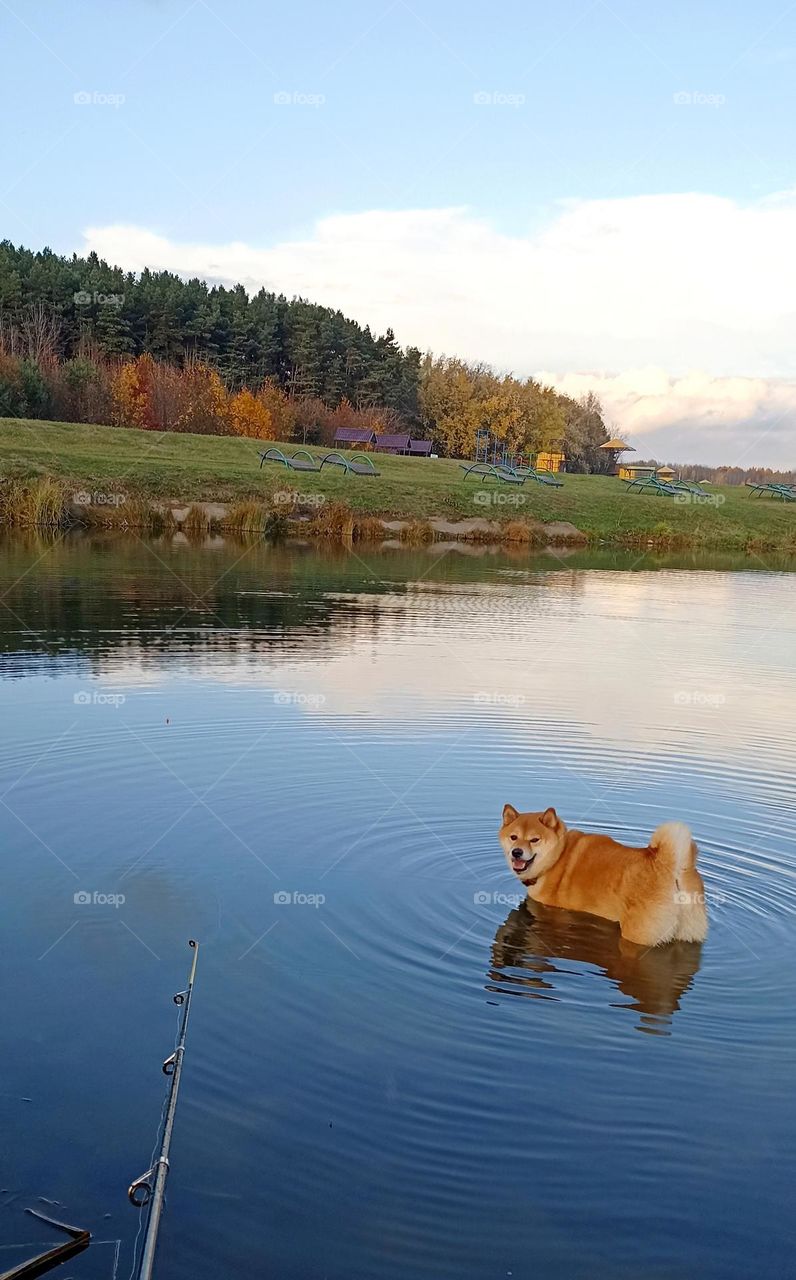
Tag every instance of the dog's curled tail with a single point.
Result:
(673, 842)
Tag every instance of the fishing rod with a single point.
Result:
(150, 1188)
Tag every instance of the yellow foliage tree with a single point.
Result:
(449, 404)
(249, 416)
(129, 398)
(205, 402)
(458, 399)
(282, 410)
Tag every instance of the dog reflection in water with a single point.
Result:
(536, 945)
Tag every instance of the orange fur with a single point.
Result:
(655, 894)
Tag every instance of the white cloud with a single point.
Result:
(660, 285)
(695, 418)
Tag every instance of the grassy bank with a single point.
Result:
(123, 472)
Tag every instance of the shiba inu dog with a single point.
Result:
(655, 894)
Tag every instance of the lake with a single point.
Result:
(299, 756)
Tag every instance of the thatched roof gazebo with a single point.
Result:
(617, 446)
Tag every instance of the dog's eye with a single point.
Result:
(533, 840)
(514, 838)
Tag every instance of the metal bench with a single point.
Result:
(485, 471)
(361, 464)
(292, 461)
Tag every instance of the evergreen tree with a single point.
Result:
(79, 309)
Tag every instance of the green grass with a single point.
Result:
(187, 468)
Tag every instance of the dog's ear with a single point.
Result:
(550, 818)
(509, 813)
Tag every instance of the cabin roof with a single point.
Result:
(354, 435)
(395, 441)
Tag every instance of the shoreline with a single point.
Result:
(43, 508)
(59, 475)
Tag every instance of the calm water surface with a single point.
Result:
(395, 1069)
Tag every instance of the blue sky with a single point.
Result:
(512, 115)
(398, 126)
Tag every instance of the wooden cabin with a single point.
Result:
(666, 474)
(635, 471)
(551, 461)
(392, 442)
(349, 436)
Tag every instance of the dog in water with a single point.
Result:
(536, 946)
(655, 894)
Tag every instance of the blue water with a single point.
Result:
(394, 1068)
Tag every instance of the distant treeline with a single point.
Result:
(84, 341)
(306, 349)
(723, 475)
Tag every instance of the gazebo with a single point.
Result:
(616, 446)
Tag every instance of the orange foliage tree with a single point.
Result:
(248, 416)
(129, 394)
(205, 403)
(281, 409)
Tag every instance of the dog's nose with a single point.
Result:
(518, 853)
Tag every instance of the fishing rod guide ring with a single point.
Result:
(144, 1185)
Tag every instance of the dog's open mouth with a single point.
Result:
(520, 865)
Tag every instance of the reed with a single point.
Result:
(134, 513)
(36, 504)
(368, 529)
(417, 532)
(197, 523)
(244, 517)
(334, 520)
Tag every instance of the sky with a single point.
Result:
(599, 194)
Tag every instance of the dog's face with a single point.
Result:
(532, 842)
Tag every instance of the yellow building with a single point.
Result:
(550, 461)
(635, 471)
(643, 471)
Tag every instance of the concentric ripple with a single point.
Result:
(398, 1067)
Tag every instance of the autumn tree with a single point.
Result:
(204, 403)
(449, 404)
(129, 394)
(249, 416)
(585, 432)
(281, 409)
